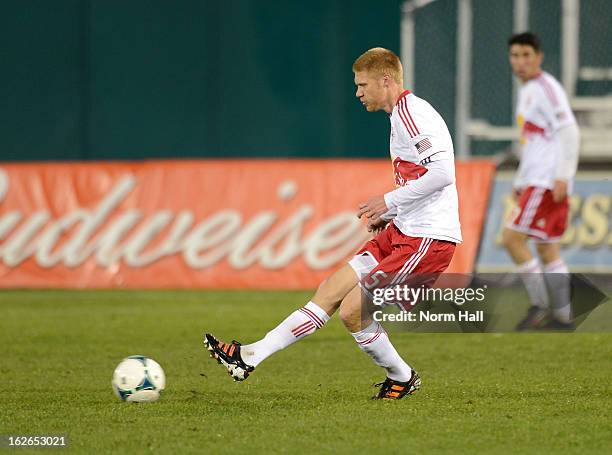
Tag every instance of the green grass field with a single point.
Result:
(481, 393)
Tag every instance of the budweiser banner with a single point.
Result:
(199, 224)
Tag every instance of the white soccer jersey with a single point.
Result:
(419, 136)
(542, 109)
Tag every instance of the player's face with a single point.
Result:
(370, 90)
(525, 61)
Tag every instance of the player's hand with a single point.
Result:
(559, 192)
(375, 226)
(516, 194)
(373, 208)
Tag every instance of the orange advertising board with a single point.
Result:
(279, 224)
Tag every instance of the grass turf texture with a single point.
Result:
(487, 393)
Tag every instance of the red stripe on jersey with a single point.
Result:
(404, 93)
(548, 89)
(531, 128)
(403, 108)
(404, 171)
(410, 116)
(404, 118)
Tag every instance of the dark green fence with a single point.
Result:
(115, 79)
(109, 79)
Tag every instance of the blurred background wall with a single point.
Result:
(88, 79)
(93, 79)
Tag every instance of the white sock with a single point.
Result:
(374, 341)
(531, 274)
(300, 323)
(558, 278)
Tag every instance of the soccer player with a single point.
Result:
(420, 239)
(549, 157)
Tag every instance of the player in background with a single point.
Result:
(549, 158)
(420, 239)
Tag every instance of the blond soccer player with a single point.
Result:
(416, 229)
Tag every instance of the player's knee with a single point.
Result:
(335, 288)
(548, 252)
(326, 297)
(322, 285)
(510, 239)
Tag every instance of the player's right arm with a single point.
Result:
(567, 164)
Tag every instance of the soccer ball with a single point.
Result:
(138, 379)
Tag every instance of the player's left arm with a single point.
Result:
(556, 109)
(440, 173)
(569, 139)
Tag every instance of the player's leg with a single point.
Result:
(241, 360)
(371, 337)
(532, 277)
(411, 259)
(527, 266)
(552, 217)
(515, 244)
(515, 237)
(557, 276)
(306, 320)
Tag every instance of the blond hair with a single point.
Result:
(380, 61)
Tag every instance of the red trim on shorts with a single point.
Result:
(399, 256)
(413, 261)
(539, 216)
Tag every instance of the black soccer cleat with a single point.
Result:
(557, 326)
(395, 390)
(536, 318)
(228, 355)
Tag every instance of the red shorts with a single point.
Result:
(539, 216)
(391, 258)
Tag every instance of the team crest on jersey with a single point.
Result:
(541, 223)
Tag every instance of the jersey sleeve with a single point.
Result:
(554, 105)
(424, 143)
(558, 116)
(439, 175)
(424, 135)
(430, 148)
